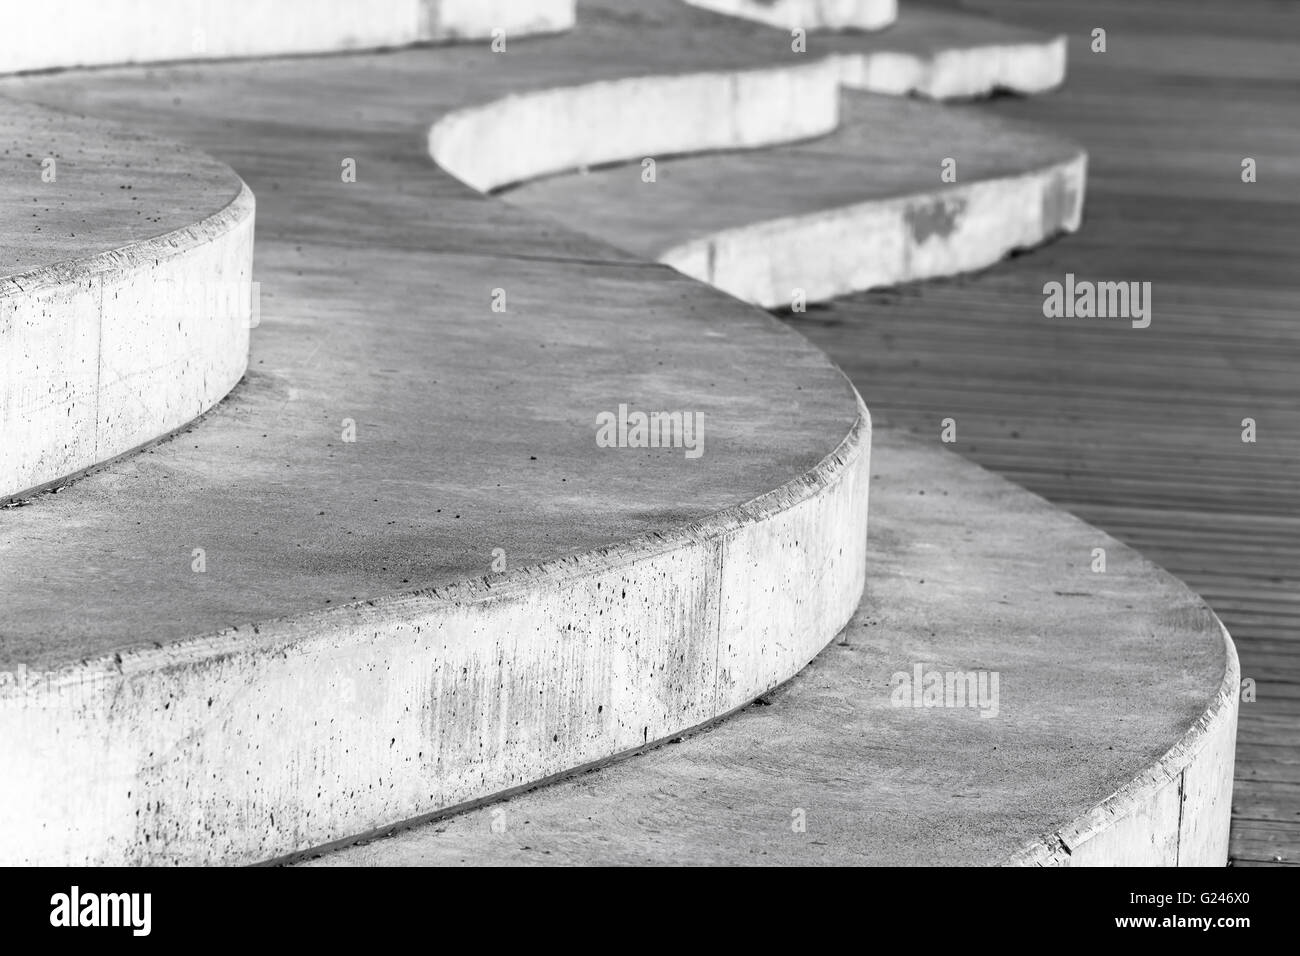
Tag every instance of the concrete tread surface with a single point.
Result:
(111, 187)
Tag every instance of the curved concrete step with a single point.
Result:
(931, 51)
(938, 53)
(861, 208)
(70, 33)
(809, 14)
(263, 636)
(125, 291)
(1106, 740)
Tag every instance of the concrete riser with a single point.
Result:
(536, 134)
(246, 747)
(958, 74)
(112, 352)
(883, 243)
(1176, 813)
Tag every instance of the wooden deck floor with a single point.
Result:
(1139, 430)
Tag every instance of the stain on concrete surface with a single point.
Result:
(937, 217)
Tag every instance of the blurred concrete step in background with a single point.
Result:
(70, 33)
(901, 191)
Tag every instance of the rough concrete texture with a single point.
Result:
(125, 291)
(1115, 710)
(851, 211)
(69, 33)
(809, 14)
(525, 136)
(138, 671)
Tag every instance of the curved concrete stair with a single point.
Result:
(1110, 738)
(163, 715)
(860, 208)
(261, 636)
(125, 291)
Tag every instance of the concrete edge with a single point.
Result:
(1025, 68)
(567, 128)
(244, 747)
(168, 317)
(808, 14)
(133, 254)
(942, 232)
(463, 20)
(1175, 813)
(702, 624)
(65, 34)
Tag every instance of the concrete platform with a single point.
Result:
(860, 208)
(1109, 740)
(125, 291)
